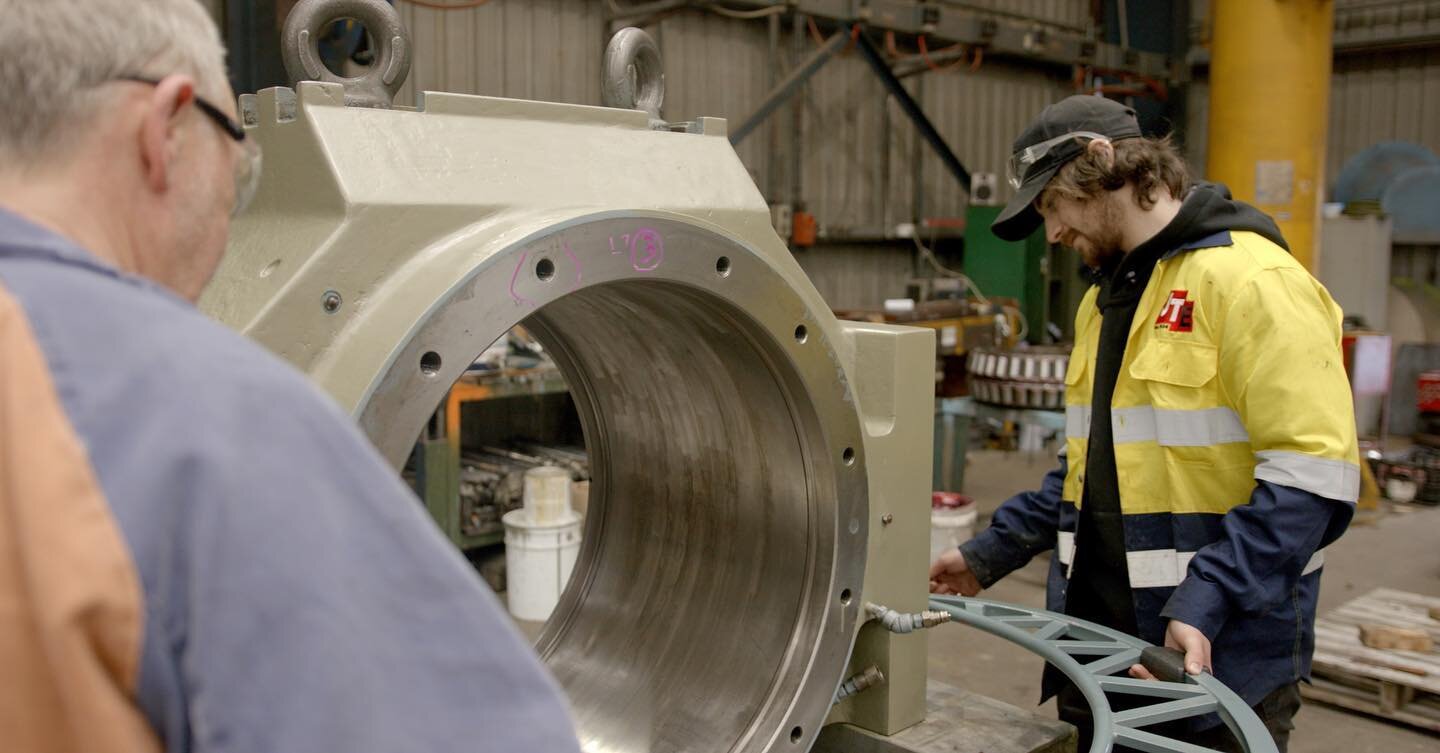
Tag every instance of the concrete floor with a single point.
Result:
(1400, 549)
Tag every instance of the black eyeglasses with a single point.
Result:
(225, 122)
(247, 170)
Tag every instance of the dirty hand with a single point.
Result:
(1189, 641)
(949, 574)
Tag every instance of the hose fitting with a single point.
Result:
(899, 622)
(871, 677)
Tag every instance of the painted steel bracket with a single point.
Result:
(1091, 655)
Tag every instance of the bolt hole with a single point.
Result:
(722, 266)
(801, 334)
(545, 270)
(848, 456)
(845, 597)
(430, 364)
(796, 734)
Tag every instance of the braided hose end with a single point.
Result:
(900, 622)
(871, 677)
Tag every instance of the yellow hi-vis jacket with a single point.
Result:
(1233, 373)
(1233, 436)
(1232, 390)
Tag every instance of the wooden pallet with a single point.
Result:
(1399, 685)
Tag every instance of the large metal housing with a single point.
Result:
(760, 468)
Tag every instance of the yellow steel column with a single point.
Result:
(1269, 98)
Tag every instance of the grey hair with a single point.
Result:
(55, 55)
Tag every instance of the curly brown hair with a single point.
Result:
(1148, 164)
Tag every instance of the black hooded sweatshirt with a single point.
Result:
(1099, 588)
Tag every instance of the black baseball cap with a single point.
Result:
(1043, 148)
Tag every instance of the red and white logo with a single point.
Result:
(1178, 315)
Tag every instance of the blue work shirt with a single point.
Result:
(295, 596)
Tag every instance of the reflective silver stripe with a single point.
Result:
(1154, 568)
(1332, 479)
(1184, 559)
(1133, 424)
(1199, 428)
(1065, 547)
(1171, 428)
(1163, 568)
(1077, 422)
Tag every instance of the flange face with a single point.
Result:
(718, 586)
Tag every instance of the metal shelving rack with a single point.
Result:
(437, 453)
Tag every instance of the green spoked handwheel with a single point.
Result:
(1095, 658)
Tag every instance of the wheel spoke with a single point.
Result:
(1169, 711)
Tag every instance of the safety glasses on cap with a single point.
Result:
(1020, 162)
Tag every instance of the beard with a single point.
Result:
(1102, 244)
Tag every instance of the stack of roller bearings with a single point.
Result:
(1032, 378)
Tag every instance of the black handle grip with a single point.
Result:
(1166, 664)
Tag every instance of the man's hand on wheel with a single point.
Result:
(951, 575)
(1186, 639)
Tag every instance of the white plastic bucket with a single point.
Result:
(950, 528)
(538, 561)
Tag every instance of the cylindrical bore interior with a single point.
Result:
(701, 585)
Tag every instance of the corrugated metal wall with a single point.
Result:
(856, 148)
(551, 50)
(718, 67)
(980, 114)
(1374, 96)
(862, 275)
(1383, 96)
(526, 49)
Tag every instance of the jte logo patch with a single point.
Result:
(1178, 315)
